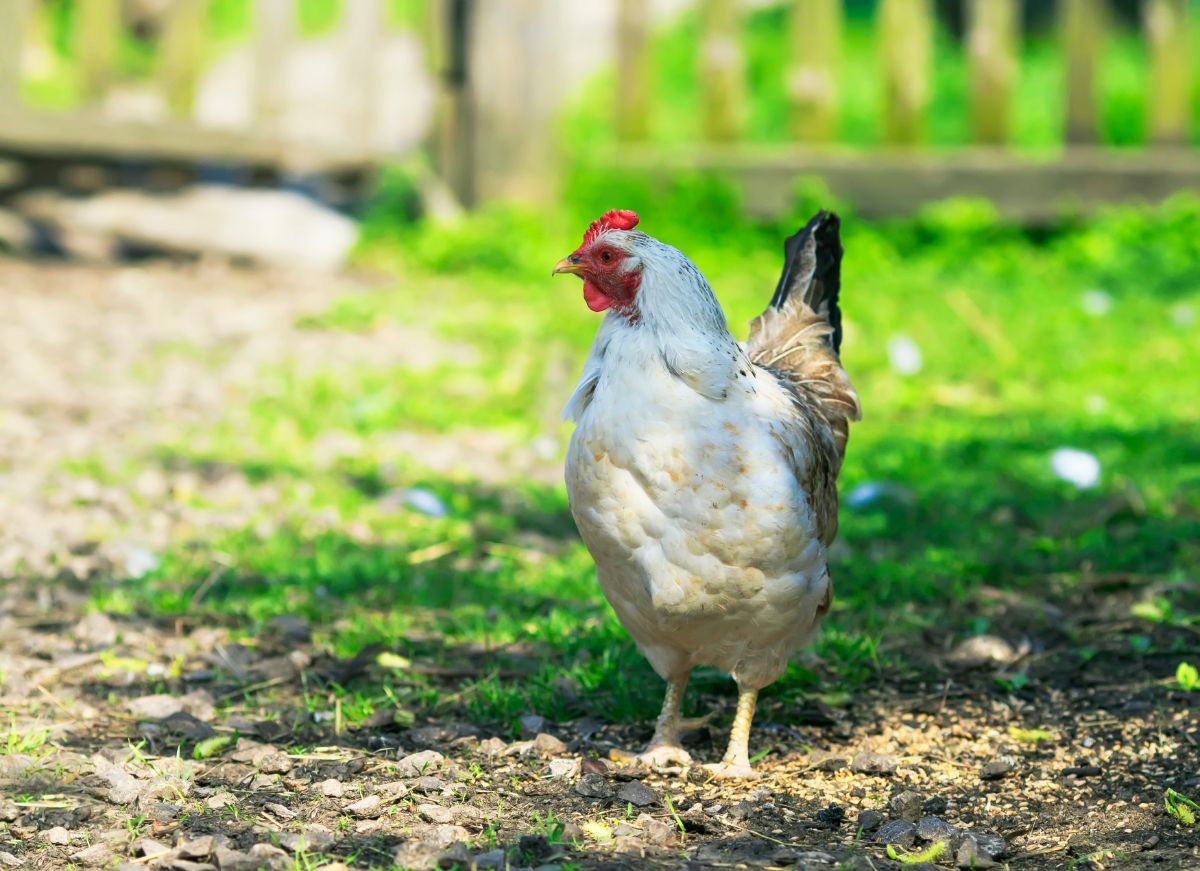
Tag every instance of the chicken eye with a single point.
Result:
(606, 256)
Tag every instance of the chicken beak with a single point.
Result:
(568, 264)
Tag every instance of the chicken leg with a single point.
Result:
(664, 749)
(737, 756)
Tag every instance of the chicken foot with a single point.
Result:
(736, 762)
(664, 749)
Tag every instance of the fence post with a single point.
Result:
(12, 49)
(816, 37)
(1168, 107)
(1082, 34)
(97, 28)
(721, 70)
(992, 35)
(906, 34)
(181, 53)
(633, 70)
(364, 25)
(274, 27)
(449, 34)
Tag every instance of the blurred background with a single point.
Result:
(280, 340)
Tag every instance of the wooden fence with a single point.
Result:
(903, 175)
(87, 130)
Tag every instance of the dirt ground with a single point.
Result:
(143, 743)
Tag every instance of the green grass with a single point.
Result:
(1013, 368)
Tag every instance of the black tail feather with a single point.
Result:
(812, 271)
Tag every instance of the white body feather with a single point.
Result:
(681, 477)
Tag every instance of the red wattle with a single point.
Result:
(595, 298)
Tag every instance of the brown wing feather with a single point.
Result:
(798, 345)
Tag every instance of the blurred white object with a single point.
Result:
(1077, 467)
(868, 493)
(1097, 303)
(1095, 404)
(1183, 315)
(904, 355)
(265, 226)
(425, 502)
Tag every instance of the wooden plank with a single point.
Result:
(90, 134)
(816, 37)
(450, 24)
(274, 31)
(906, 48)
(722, 73)
(12, 48)
(633, 70)
(1033, 188)
(993, 27)
(97, 29)
(1083, 32)
(1168, 104)
(364, 27)
(181, 53)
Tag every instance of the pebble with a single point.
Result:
(873, 763)
(9, 859)
(823, 760)
(907, 805)
(428, 784)
(593, 786)
(532, 724)
(458, 856)
(741, 811)
(435, 813)
(997, 768)
(546, 744)
(564, 767)
(656, 832)
(593, 766)
(332, 788)
(637, 794)
(198, 848)
(491, 859)
(935, 829)
(58, 835)
(902, 833)
(870, 820)
(420, 763)
(936, 805)
(968, 855)
(367, 808)
(990, 845)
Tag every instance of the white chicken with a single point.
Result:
(702, 472)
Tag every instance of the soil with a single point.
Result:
(167, 744)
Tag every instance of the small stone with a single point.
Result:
(870, 820)
(435, 813)
(217, 801)
(150, 847)
(446, 834)
(656, 832)
(491, 859)
(458, 856)
(96, 630)
(637, 794)
(989, 844)
(418, 855)
(58, 835)
(902, 833)
(741, 811)
(309, 841)
(275, 763)
(564, 767)
(997, 768)
(593, 766)
(197, 848)
(97, 854)
(935, 829)
(907, 805)
(428, 784)
(366, 808)
(981, 650)
(593, 786)
(833, 815)
(331, 788)
(492, 747)
(968, 855)
(12, 861)
(1083, 771)
(419, 764)
(8, 811)
(823, 760)
(866, 762)
(546, 744)
(162, 812)
(188, 865)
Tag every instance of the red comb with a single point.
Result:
(613, 219)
